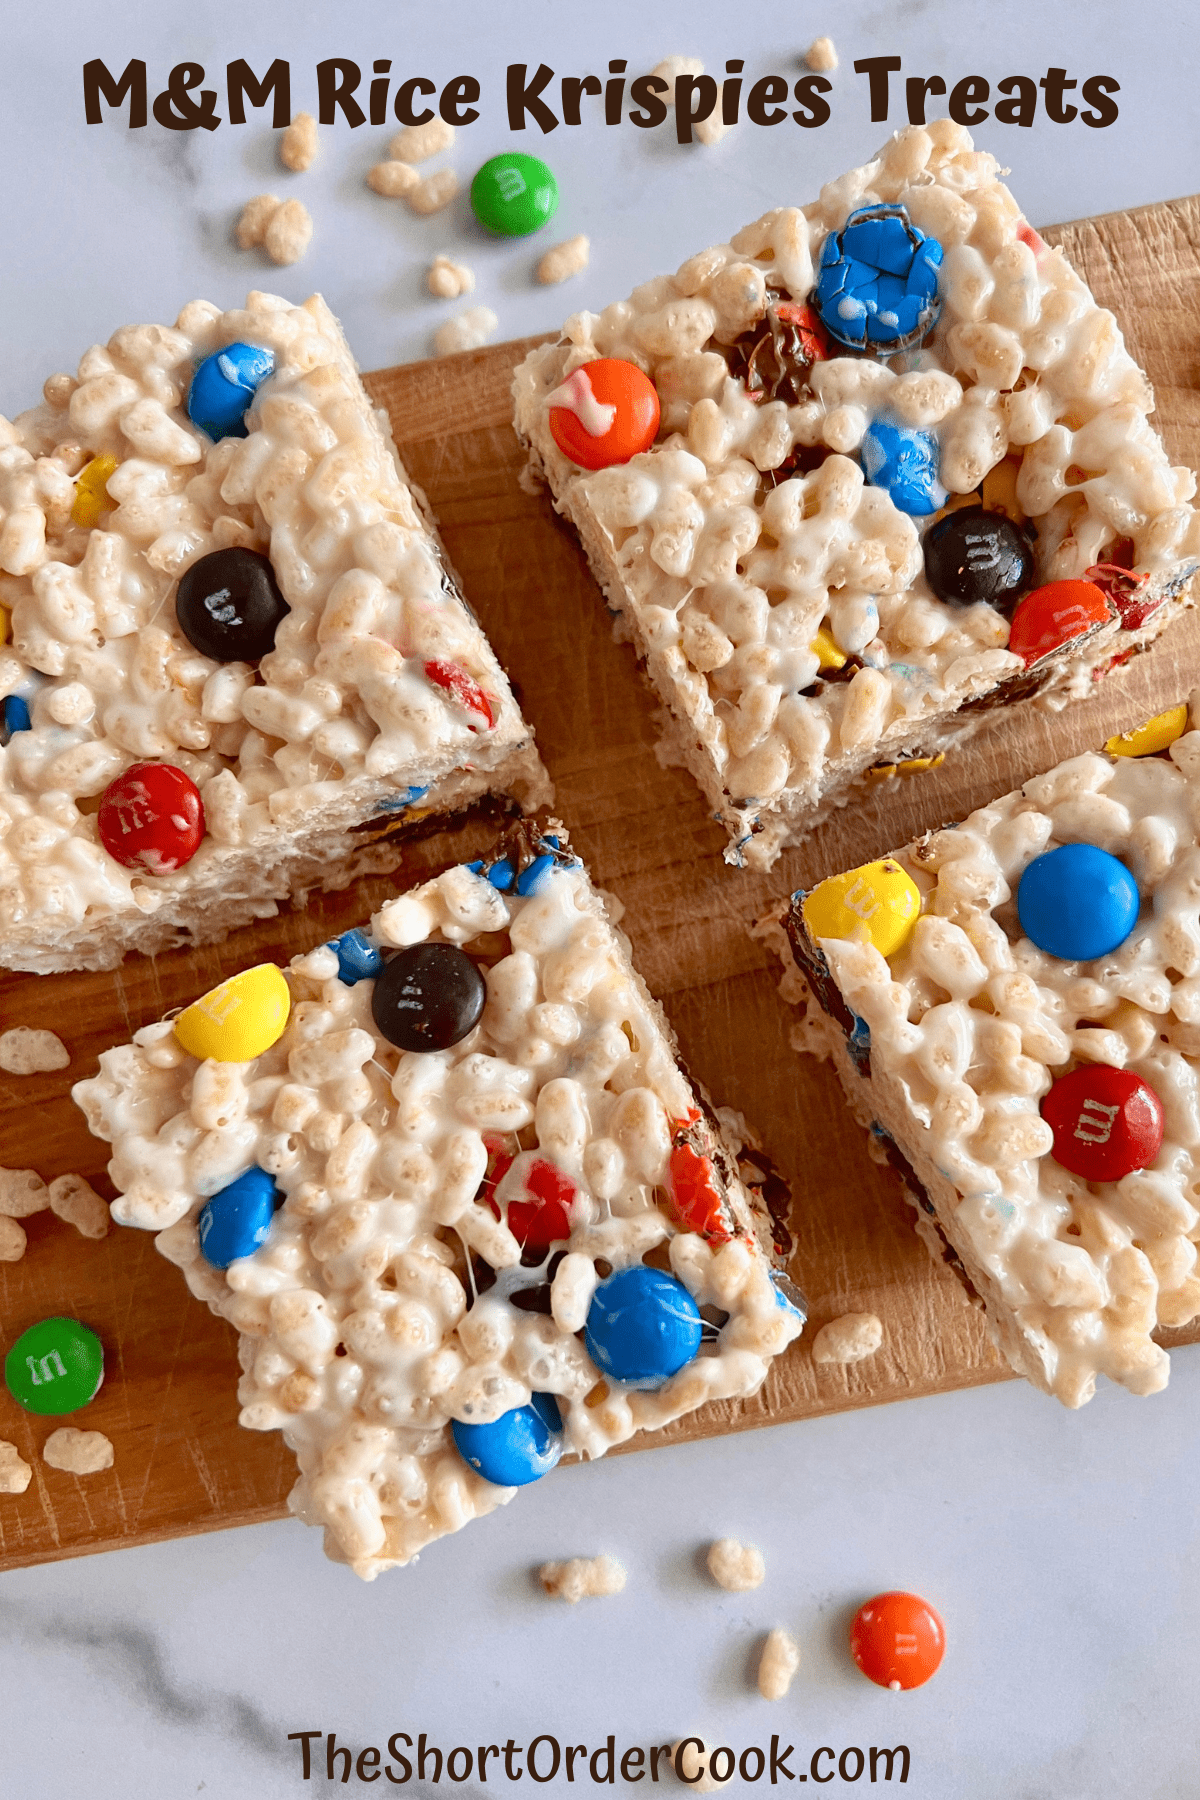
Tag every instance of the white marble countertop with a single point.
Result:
(1060, 1548)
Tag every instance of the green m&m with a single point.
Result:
(514, 194)
(55, 1367)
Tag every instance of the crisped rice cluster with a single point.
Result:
(779, 599)
(391, 1296)
(969, 1025)
(339, 722)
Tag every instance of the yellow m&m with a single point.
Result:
(1151, 737)
(91, 491)
(879, 903)
(827, 650)
(238, 1020)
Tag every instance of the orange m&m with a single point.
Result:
(897, 1640)
(1052, 615)
(604, 413)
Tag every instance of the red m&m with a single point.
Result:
(1055, 614)
(1106, 1122)
(465, 689)
(897, 1640)
(544, 1218)
(604, 413)
(151, 818)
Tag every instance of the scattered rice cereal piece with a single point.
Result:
(582, 1577)
(417, 143)
(76, 1200)
(22, 1192)
(671, 67)
(392, 179)
(12, 1239)
(821, 56)
(736, 1567)
(289, 233)
(691, 1766)
(447, 278)
(779, 1661)
(564, 260)
(435, 192)
(848, 1339)
(466, 332)
(299, 144)
(256, 216)
(78, 1452)
(24, 1051)
(713, 129)
(15, 1472)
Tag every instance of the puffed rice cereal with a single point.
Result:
(24, 1051)
(849, 1339)
(77, 1452)
(1080, 1239)
(288, 233)
(15, 1472)
(690, 1764)
(821, 56)
(12, 1239)
(778, 1663)
(299, 143)
(434, 192)
(417, 143)
(393, 179)
(766, 554)
(380, 697)
(736, 1567)
(76, 1200)
(448, 279)
(564, 260)
(582, 1578)
(391, 1304)
(22, 1192)
(467, 331)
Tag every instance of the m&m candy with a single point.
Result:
(223, 387)
(877, 281)
(151, 818)
(238, 1020)
(973, 555)
(229, 606)
(897, 1640)
(1077, 902)
(1054, 615)
(642, 1326)
(428, 997)
(880, 901)
(481, 714)
(91, 491)
(1156, 734)
(545, 1217)
(604, 413)
(1106, 1122)
(55, 1366)
(514, 194)
(904, 462)
(519, 1447)
(237, 1218)
(14, 716)
(358, 959)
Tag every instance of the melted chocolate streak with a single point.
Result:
(815, 969)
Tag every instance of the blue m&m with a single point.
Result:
(14, 717)
(237, 1219)
(1077, 902)
(903, 461)
(519, 1447)
(223, 387)
(358, 959)
(642, 1327)
(877, 281)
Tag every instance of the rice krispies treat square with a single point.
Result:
(451, 1219)
(1008, 1082)
(756, 553)
(380, 697)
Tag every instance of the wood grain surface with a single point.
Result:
(168, 1402)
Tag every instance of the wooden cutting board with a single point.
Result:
(169, 1402)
